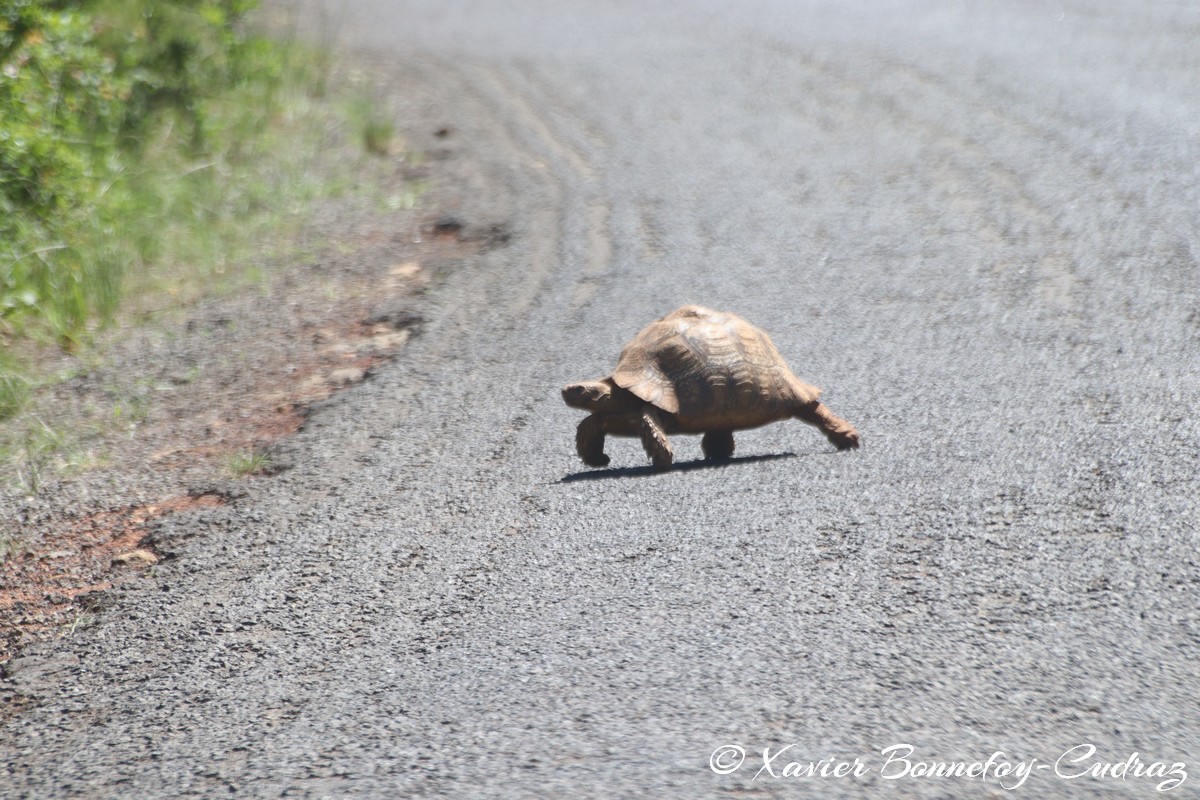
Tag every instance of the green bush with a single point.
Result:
(84, 88)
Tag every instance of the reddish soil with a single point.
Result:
(44, 588)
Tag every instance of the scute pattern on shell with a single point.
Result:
(699, 362)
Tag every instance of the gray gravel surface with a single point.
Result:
(975, 224)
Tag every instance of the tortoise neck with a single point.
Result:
(620, 400)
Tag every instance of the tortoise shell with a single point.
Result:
(711, 369)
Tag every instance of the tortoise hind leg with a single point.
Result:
(840, 433)
(717, 445)
(589, 441)
(654, 438)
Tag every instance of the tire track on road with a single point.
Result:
(536, 115)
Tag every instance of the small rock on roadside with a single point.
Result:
(136, 557)
(387, 342)
(345, 376)
(409, 269)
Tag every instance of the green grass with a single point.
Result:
(10, 545)
(111, 194)
(173, 223)
(376, 131)
(245, 463)
(14, 391)
(91, 98)
(191, 226)
(408, 197)
(82, 620)
(176, 226)
(28, 451)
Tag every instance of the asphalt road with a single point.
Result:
(974, 224)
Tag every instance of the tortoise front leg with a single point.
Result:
(654, 438)
(589, 441)
(838, 431)
(717, 445)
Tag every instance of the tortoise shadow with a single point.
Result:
(679, 466)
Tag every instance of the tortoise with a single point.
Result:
(696, 371)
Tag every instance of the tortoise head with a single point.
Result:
(602, 396)
(589, 395)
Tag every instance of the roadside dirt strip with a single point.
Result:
(184, 410)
